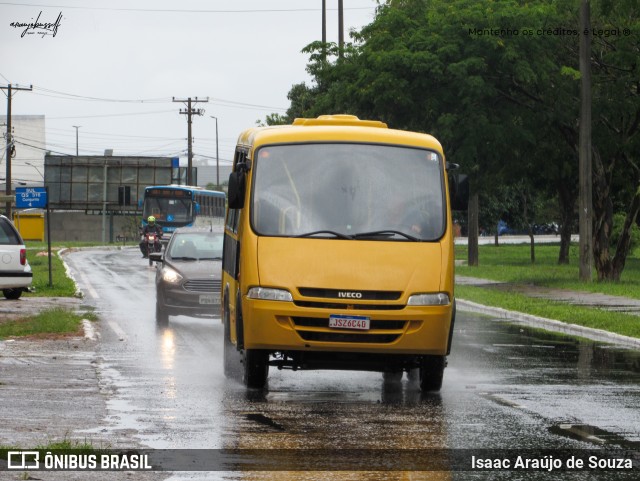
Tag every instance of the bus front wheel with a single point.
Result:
(431, 373)
(256, 368)
(231, 359)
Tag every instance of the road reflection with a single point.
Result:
(507, 387)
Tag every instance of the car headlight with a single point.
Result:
(433, 299)
(170, 275)
(269, 294)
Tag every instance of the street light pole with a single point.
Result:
(217, 157)
(37, 170)
(77, 127)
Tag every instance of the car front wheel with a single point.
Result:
(162, 317)
(12, 294)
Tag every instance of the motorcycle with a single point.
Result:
(151, 244)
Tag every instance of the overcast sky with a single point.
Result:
(113, 67)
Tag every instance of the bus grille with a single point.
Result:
(376, 334)
(203, 285)
(348, 337)
(338, 305)
(363, 295)
(324, 322)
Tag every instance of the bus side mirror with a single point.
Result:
(236, 190)
(459, 191)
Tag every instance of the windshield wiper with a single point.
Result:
(385, 233)
(183, 258)
(331, 232)
(210, 258)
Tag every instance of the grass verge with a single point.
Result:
(512, 263)
(62, 285)
(619, 323)
(55, 321)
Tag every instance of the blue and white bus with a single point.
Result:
(176, 206)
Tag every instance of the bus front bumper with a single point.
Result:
(410, 330)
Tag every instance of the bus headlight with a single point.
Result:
(434, 299)
(170, 276)
(269, 294)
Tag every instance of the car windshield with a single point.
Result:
(197, 246)
(348, 191)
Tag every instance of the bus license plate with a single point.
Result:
(210, 299)
(349, 322)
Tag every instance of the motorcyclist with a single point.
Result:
(153, 228)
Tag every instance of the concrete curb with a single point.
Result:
(89, 332)
(549, 324)
(78, 292)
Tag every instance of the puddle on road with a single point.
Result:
(593, 435)
(511, 345)
(264, 420)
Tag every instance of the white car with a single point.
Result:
(15, 271)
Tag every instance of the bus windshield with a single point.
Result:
(348, 191)
(168, 210)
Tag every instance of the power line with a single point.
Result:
(245, 105)
(98, 99)
(112, 115)
(41, 148)
(90, 98)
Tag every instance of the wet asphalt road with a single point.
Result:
(506, 387)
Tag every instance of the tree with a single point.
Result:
(617, 138)
(497, 83)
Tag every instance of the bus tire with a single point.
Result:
(390, 378)
(239, 322)
(431, 373)
(413, 375)
(230, 359)
(256, 368)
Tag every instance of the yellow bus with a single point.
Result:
(338, 252)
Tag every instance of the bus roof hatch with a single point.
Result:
(340, 119)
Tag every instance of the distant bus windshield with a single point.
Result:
(348, 189)
(168, 210)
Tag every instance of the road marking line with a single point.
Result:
(88, 285)
(118, 330)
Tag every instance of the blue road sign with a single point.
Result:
(31, 197)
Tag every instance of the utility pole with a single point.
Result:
(340, 28)
(189, 111)
(585, 161)
(324, 29)
(10, 145)
(76, 127)
(217, 158)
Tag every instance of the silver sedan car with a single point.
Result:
(189, 274)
